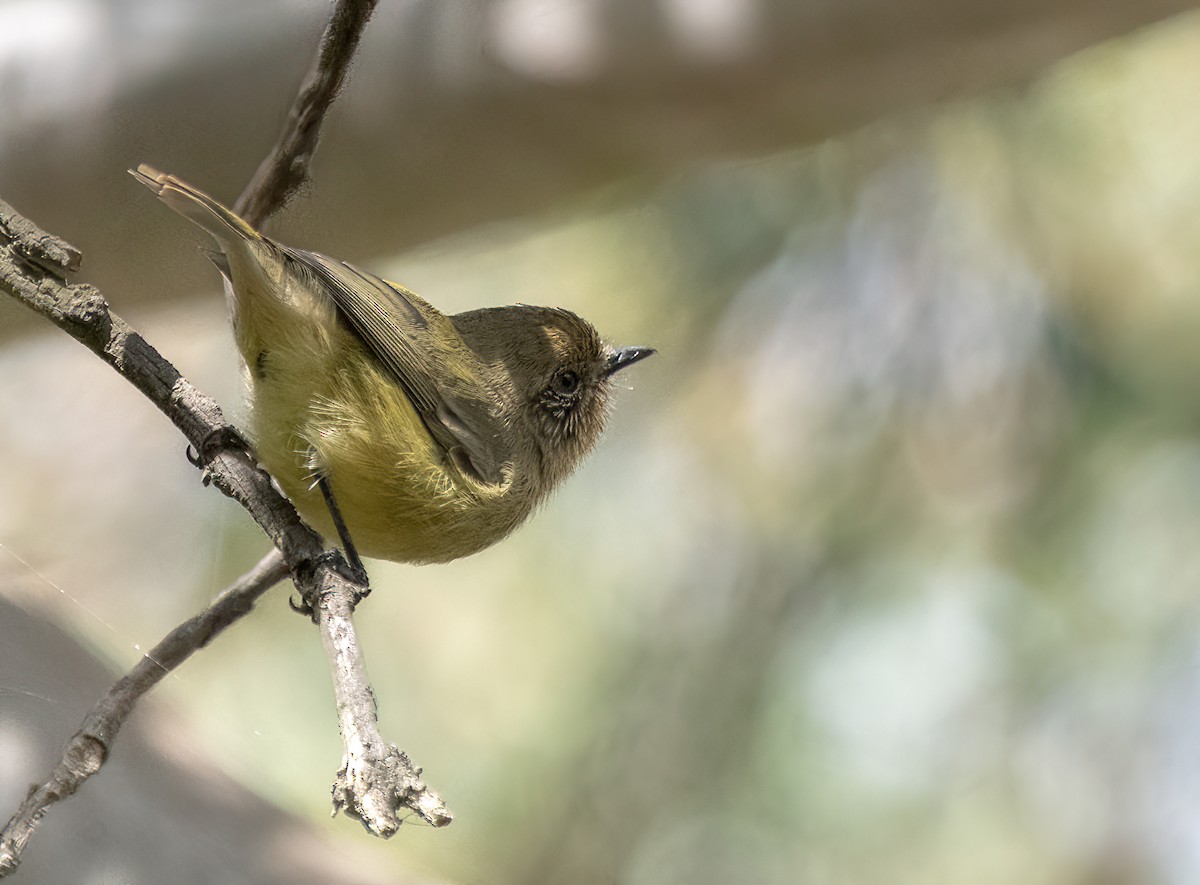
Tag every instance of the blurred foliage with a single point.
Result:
(886, 572)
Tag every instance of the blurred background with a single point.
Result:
(888, 569)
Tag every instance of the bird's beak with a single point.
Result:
(627, 356)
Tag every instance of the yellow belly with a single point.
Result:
(400, 498)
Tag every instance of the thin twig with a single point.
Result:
(286, 168)
(89, 747)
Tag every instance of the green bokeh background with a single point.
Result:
(888, 569)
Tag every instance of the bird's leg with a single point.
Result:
(357, 572)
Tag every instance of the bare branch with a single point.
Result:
(285, 169)
(381, 780)
(89, 747)
(377, 780)
(82, 312)
(359, 789)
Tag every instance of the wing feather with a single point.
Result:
(440, 375)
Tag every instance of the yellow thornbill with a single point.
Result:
(434, 436)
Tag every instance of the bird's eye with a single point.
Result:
(566, 382)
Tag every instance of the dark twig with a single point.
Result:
(286, 168)
(89, 747)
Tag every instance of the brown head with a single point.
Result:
(555, 372)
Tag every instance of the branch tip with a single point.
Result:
(46, 252)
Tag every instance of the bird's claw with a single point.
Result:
(222, 439)
(352, 572)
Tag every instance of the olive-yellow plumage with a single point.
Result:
(438, 435)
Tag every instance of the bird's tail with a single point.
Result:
(196, 206)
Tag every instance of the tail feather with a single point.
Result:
(196, 206)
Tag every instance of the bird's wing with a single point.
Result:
(441, 377)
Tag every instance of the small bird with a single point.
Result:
(412, 435)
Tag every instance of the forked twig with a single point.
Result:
(377, 781)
